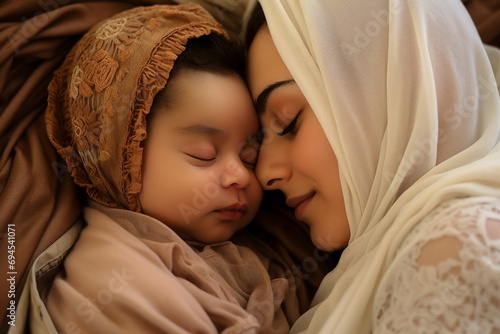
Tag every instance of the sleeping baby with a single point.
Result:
(153, 119)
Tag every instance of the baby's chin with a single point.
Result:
(218, 234)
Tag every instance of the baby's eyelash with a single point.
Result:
(206, 160)
(290, 128)
(201, 159)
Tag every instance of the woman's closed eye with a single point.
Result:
(249, 156)
(290, 128)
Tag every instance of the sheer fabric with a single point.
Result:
(447, 292)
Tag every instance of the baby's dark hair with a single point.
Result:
(211, 53)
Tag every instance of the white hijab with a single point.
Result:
(408, 99)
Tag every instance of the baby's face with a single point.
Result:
(199, 157)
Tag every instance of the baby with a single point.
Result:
(152, 116)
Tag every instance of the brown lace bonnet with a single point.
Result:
(100, 96)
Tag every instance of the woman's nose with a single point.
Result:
(272, 170)
(235, 174)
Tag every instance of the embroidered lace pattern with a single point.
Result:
(458, 291)
(99, 98)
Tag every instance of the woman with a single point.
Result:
(381, 124)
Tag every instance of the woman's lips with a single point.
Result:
(300, 203)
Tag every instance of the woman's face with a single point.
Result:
(295, 155)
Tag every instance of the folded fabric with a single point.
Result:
(129, 273)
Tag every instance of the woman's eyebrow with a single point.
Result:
(261, 101)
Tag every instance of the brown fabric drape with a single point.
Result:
(486, 16)
(37, 198)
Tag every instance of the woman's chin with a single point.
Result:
(326, 242)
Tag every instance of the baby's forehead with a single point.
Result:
(203, 95)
